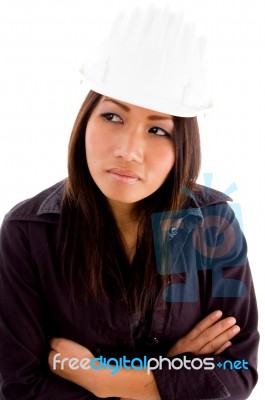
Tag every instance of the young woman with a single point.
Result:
(127, 257)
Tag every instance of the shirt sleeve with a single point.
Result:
(24, 345)
(227, 285)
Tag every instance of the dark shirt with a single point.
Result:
(207, 270)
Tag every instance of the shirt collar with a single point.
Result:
(202, 196)
(52, 203)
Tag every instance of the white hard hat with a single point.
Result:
(154, 59)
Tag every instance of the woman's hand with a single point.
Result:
(209, 336)
(64, 360)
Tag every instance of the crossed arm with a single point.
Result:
(210, 336)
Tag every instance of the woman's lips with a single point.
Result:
(124, 175)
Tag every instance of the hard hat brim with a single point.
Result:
(166, 106)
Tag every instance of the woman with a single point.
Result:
(128, 257)
(125, 164)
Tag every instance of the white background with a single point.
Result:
(42, 45)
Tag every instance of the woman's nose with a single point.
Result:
(130, 147)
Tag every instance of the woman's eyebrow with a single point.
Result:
(151, 117)
(157, 117)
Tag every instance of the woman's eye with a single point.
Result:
(159, 131)
(112, 117)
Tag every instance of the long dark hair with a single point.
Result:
(91, 247)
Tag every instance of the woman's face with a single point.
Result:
(129, 149)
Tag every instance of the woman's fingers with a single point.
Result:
(209, 336)
(205, 323)
(217, 342)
